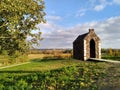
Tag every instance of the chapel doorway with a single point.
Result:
(92, 49)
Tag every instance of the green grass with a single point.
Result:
(112, 58)
(53, 74)
(42, 65)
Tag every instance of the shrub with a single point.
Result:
(6, 59)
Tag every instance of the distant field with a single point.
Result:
(33, 56)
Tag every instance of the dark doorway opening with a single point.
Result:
(92, 49)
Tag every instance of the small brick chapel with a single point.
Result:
(87, 46)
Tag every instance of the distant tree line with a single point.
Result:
(110, 52)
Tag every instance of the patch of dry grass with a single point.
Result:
(34, 56)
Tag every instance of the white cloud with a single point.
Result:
(81, 12)
(62, 37)
(53, 17)
(99, 7)
(94, 5)
(102, 5)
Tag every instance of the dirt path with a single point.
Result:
(14, 65)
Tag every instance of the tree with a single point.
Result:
(18, 18)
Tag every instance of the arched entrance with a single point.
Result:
(92, 49)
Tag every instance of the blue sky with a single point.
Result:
(66, 19)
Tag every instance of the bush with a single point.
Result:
(6, 59)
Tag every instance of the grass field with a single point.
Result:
(61, 74)
(112, 58)
(42, 65)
